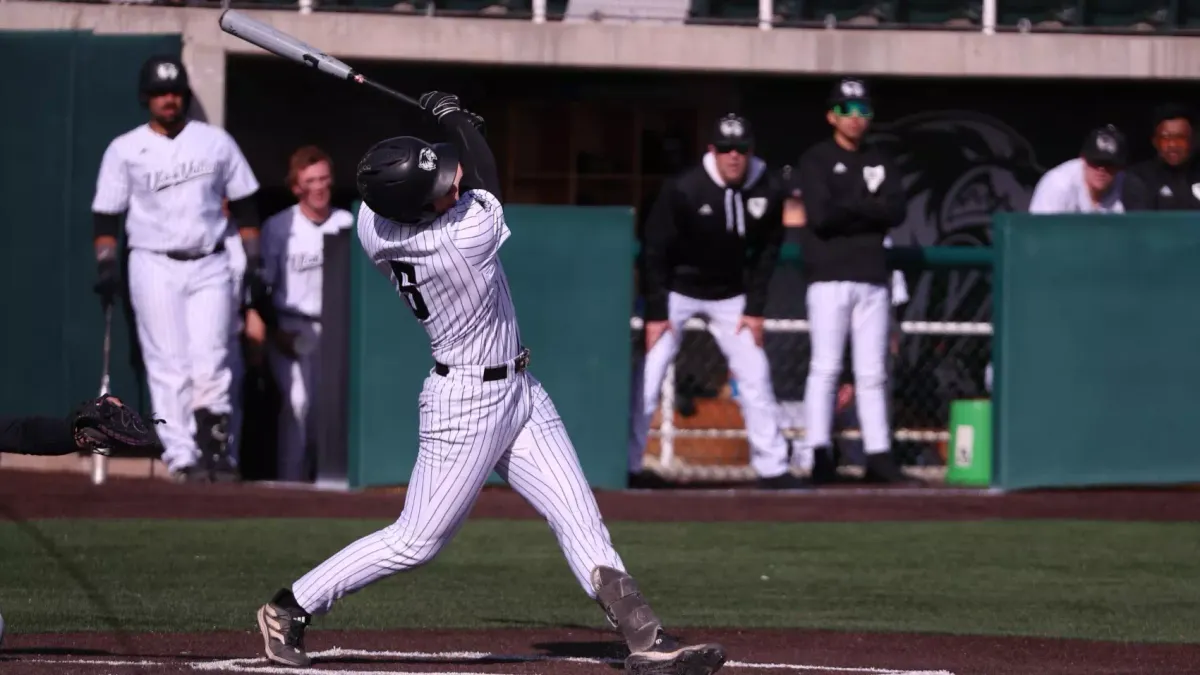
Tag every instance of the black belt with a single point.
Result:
(182, 255)
(492, 373)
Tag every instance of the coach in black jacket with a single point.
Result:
(1171, 181)
(711, 243)
(852, 197)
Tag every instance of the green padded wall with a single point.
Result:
(569, 270)
(1097, 349)
(82, 94)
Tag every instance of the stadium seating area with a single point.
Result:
(1161, 16)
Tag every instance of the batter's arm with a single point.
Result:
(37, 436)
(660, 232)
(476, 158)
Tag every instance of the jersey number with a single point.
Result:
(407, 276)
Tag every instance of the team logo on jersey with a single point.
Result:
(874, 176)
(167, 71)
(427, 161)
(183, 172)
(757, 206)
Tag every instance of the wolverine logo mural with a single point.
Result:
(959, 168)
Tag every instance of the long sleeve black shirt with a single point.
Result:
(846, 219)
(711, 241)
(1167, 188)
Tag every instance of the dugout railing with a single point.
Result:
(941, 352)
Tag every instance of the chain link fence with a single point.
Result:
(939, 352)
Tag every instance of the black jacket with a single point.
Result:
(845, 219)
(710, 241)
(1166, 188)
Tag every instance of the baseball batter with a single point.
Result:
(293, 254)
(852, 197)
(433, 224)
(168, 178)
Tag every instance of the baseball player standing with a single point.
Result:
(852, 197)
(293, 243)
(433, 224)
(711, 244)
(168, 178)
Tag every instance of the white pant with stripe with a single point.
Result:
(748, 361)
(469, 427)
(835, 309)
(183, 309)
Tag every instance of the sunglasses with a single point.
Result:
(850, 108)
(740, 148)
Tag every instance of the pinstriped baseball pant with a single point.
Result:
(469, 427)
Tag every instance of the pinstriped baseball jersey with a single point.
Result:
(293, 253)
(172, 187)
(449, 273)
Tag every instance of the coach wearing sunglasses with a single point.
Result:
(711, 244)
(852, 196)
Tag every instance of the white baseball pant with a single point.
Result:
(297, 380)
(183, 310)
(469, 427)
(748, 361)
(836, 308)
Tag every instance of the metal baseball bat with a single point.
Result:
(279, 43)
(100, 462)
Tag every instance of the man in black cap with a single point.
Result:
(1172, 179)
(1094, 182)
(712, 240)
(853, 197)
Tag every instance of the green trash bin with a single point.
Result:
(969, 457)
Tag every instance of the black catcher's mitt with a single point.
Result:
(106, 426)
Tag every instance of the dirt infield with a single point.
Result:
(581, 651)
(575, 651)
(26, 495)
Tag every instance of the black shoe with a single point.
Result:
(785, 481)
(883, 468)
(282, 624)
(824, 469)
(647, 480)
(668, 657)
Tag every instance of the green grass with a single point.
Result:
(1109, 581)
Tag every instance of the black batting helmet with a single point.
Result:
(399, 178)
(163, 75)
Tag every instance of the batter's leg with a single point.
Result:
(158, 295)
(465, 427)
(542, 467)
(748, 361)
(829, 305)
(659, 357)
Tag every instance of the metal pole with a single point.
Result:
(989, 17)
(539, 11)
(766, 14)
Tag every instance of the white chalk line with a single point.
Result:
(262, 665)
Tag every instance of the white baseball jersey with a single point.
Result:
(1062, 190)
(448, 272)
(172, 187)
(293, 249)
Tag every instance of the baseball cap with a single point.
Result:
(851, 95)
(1105, 147)
(733, 132)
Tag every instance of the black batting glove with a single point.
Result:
(107, 280)
(439, 103)
(476, 121)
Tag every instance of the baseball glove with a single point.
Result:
(106, 426)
